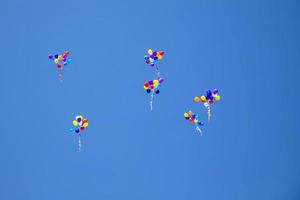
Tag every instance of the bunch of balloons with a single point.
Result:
(208, 100)
(60, 61)
(153, 86)
(80, 124)
(193, 118)
(153, 57)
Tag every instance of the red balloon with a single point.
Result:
(81, 128)
(146, 84)
(59, 65)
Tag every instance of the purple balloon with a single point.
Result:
(152, 64)
(216, 91)
(50, 56)
(79, 119)
(154, 53)
(150, 82)
(161, 80)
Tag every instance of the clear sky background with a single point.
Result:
(249, 50)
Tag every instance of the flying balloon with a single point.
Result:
(208, 100)
(153, 87)
(152, 58)
(60, 60)
(193, 118)
(80, 124)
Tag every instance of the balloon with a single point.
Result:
(56, 61)
(50, 56)
(157, 91)
(190, 112)
(162, 53)
(86, 124)
(150, 51)
(203, 98)
(196, 120)
(60, 57)
(206, 104)
(185, 114)
(218, 98)
(155, 82)
(196, 99)
(215, 91)
(77, 131)
(71, 130)
(161, 80)
(75, 123)
(145, 88)
(150, 82)
(82, 128)
(146, 57)
(79, 119)
(56, 56)
(148, 90)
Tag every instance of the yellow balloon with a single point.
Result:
(75, 123)
(146, 87)
(196, 99)
(196, 120)
(150, 51)
(190, 112)
(56, 61)
(159, 57)
(86, 124)
(155, 82)
(203, 98)
(218, 98)
(186, 114)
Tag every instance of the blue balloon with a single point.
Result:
(201, 123)
(157, 91)
(56, 56)
(71, 130)
(146, 57)
(77, 130)
(148, 90)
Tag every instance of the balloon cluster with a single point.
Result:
(153, 57)
(191, 117)
(209, 98)
(60, 60)
(153, 85)
(80, 124)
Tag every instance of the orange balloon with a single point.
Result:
(196, 99)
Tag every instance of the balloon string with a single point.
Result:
(208, 113)
(60, 74)
(157, 72)
(151, 100)
(199, 130)
(79, 143)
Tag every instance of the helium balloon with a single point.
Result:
(208, 100)
(60, 61)
(190, 116)
(80, 123)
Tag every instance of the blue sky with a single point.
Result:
(249, 50)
